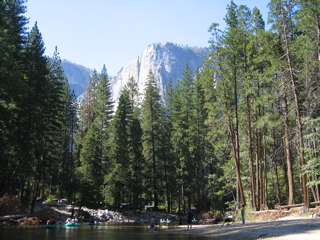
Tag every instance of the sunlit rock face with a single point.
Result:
(166, 61)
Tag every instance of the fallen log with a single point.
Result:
(289, 206)
(14, 217)
(14, 222)
(264, 211)
(312, 204)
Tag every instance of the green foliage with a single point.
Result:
(312, 167)
(151, 124)
(50, 198)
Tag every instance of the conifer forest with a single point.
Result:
(242, 131)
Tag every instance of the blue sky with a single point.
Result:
(114, 32)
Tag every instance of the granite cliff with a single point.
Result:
(166, 61)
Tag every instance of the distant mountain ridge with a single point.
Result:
(166, 61)
(78, 76)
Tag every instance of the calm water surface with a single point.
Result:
(86, 232)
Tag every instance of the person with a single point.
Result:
(152, 223)
(52, 221)
(189, 220)
(230, 218)
(242, 214)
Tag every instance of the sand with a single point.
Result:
(288, 228)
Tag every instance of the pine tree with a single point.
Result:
(61, 120)
(87, 104)
(282, 19)
(135, 141)
(35, 126)
(308, 43)
(12, 88)
(151, 126)
(169, 156)
(228, 84)
(119, 177)
(96, 116)
(183, 138)
(203, 151)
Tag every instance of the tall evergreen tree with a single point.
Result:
(151, 125)
(308, 46)
(203, 151)
(62, 119)
(12, 88)
(183, 138)
(36, 111)
(135, 141)
(283, 22)
(227, 73)
(96, 117)
(169, 157)
(119, 176)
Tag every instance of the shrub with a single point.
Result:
(10, 205)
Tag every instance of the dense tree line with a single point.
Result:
(241, 131)
(37, 113)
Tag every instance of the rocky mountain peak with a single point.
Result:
(166, 61)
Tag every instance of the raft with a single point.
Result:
(165, 221)
(141, 221)
(94, 223)
(51, 226)
(72, 224)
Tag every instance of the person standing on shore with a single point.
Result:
(189, 220)
(152, 223)
(242, 215)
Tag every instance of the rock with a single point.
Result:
(31, 221)
(166, 61)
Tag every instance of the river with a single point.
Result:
(105, 231)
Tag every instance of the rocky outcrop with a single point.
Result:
(166, 61)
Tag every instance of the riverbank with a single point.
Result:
(63, 212)
(287, 228)
(285, 224)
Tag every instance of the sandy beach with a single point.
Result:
(288, 228)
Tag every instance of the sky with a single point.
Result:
(94, 33)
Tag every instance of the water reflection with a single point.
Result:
(86, 232)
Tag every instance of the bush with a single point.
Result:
(10, 205)
(50, 198)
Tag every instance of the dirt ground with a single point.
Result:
(287, 228)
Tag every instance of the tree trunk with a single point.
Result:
(265, 178)
(260, 162)
(275, 157)
(258, 172)
(251, 170)
(298, 120)
(237, 141)
(277, 180)
(288, 153)
(240, 198)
